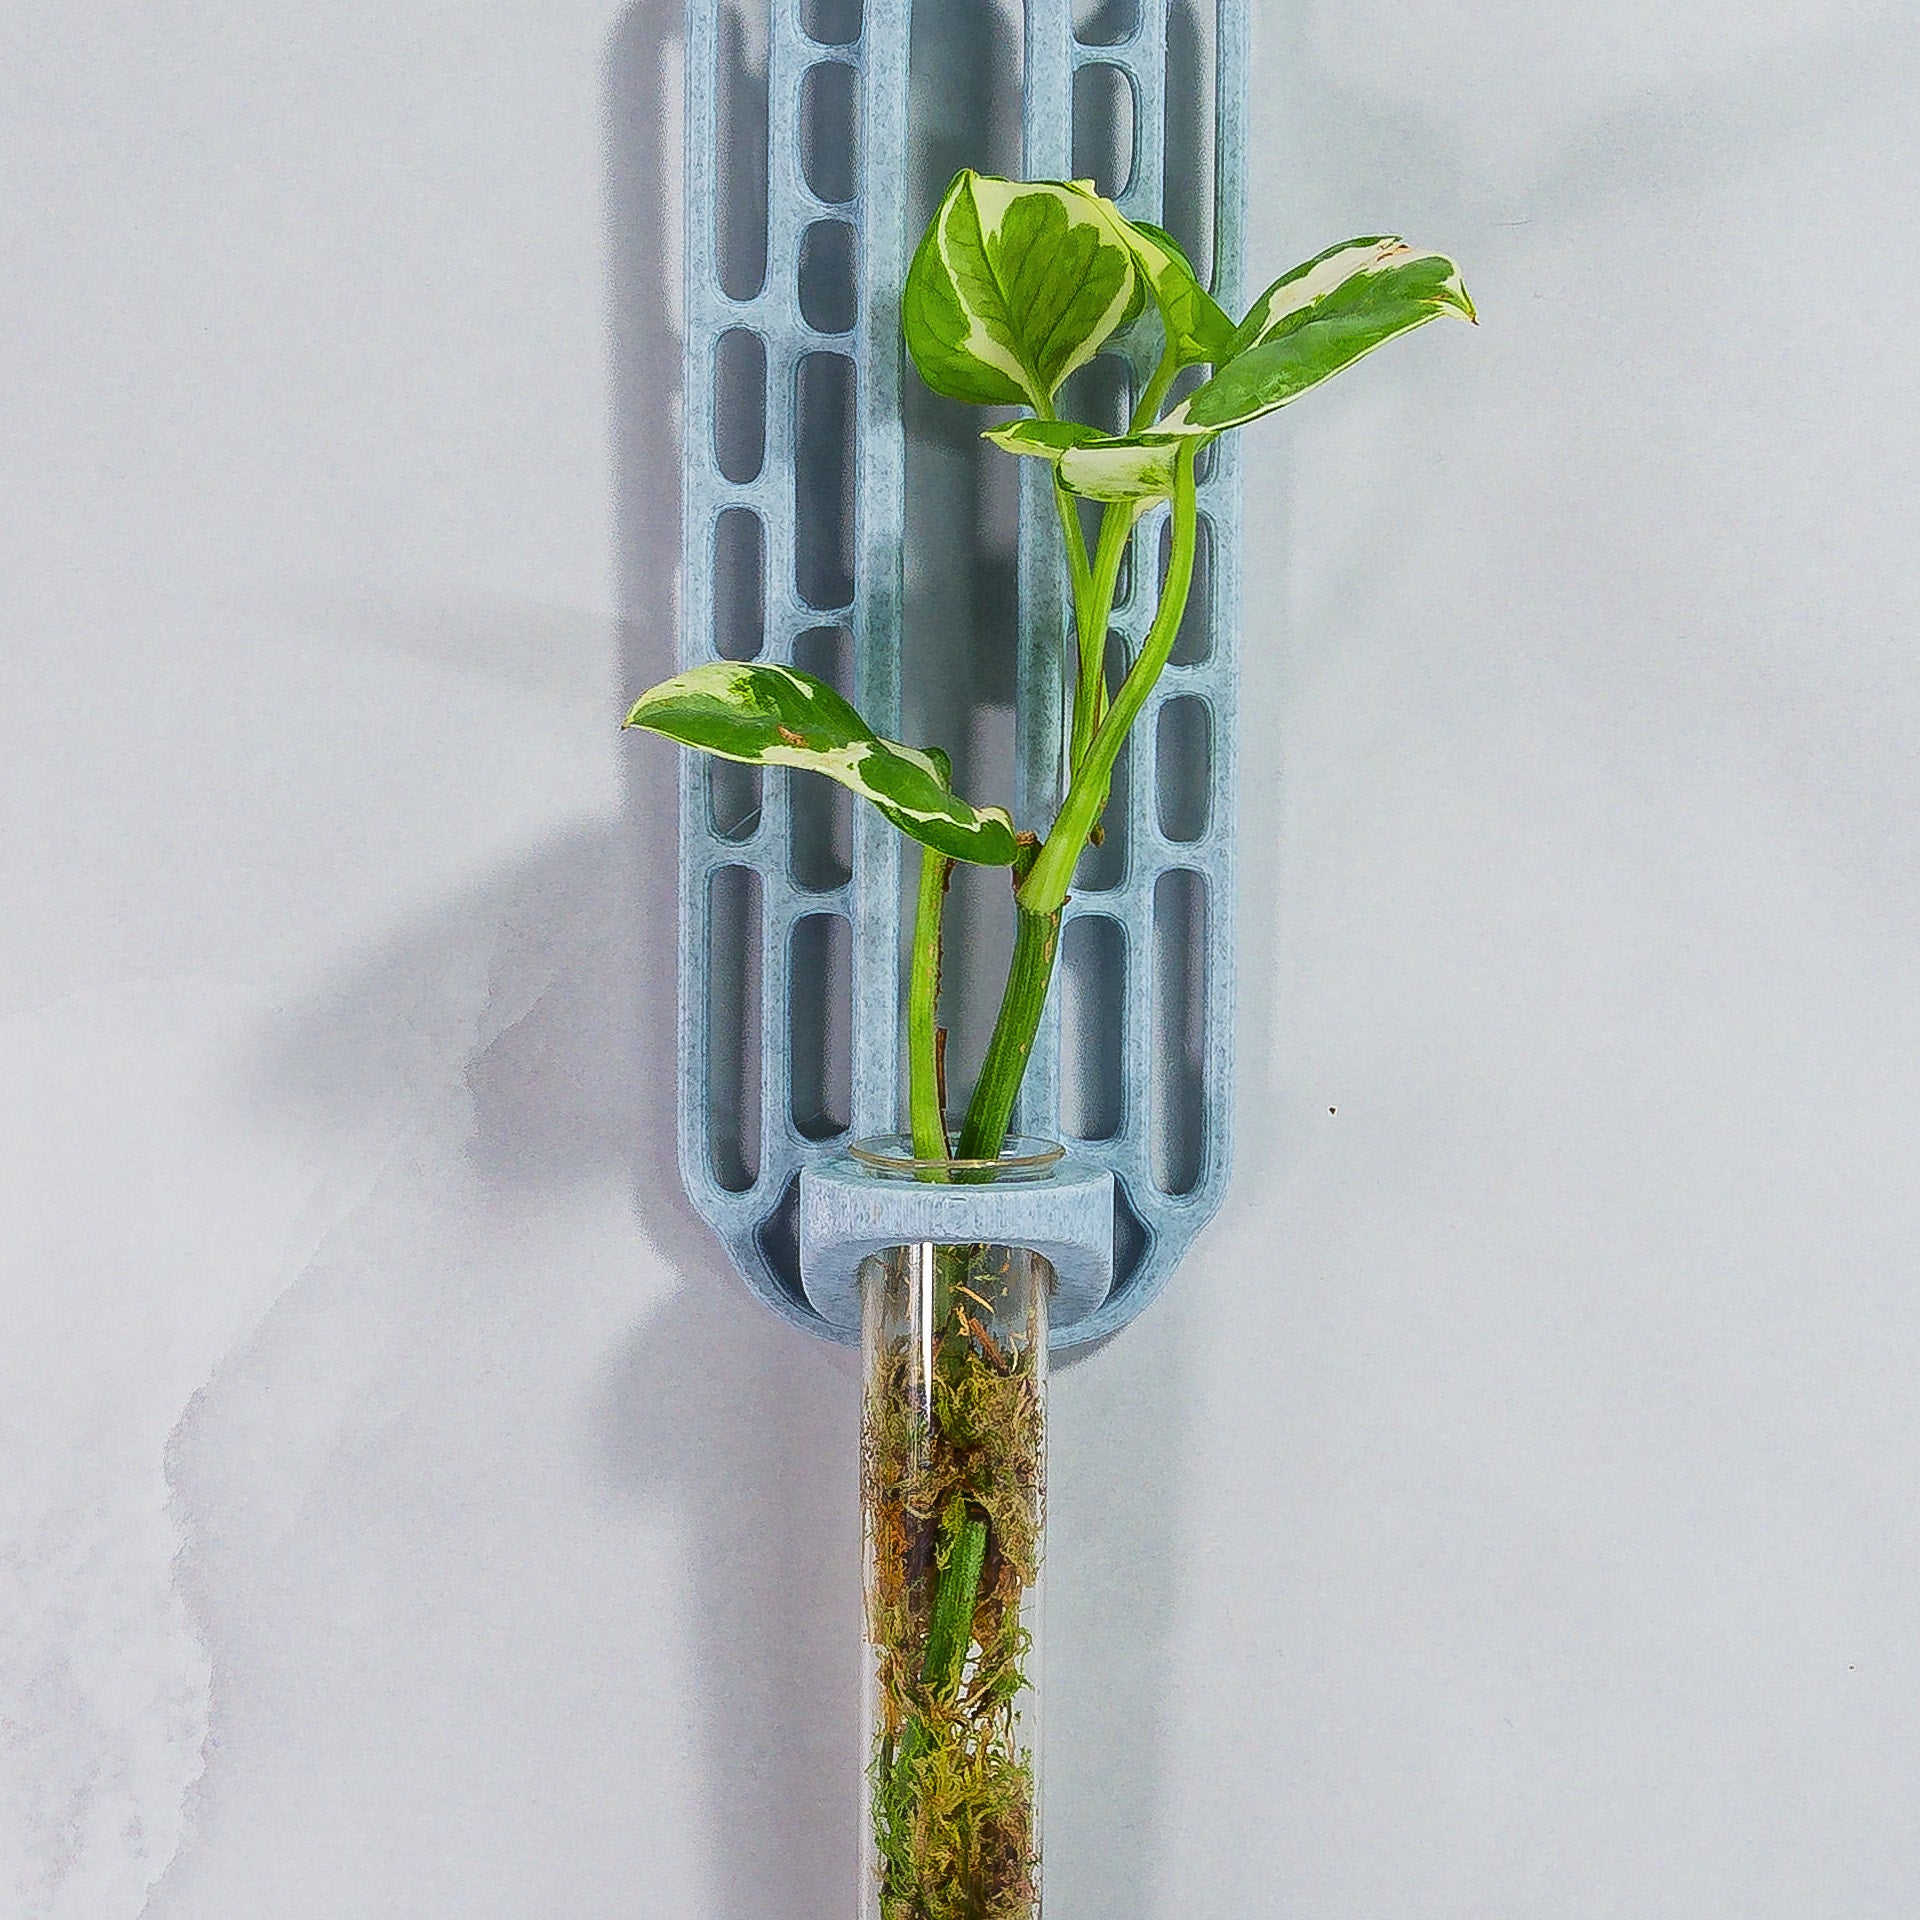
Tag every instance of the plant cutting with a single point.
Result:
(1014, 287)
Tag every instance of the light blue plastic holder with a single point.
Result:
(788, 1197)
(850, 1210)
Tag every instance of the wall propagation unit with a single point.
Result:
(793, 539)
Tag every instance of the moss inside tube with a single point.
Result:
(953, 1494)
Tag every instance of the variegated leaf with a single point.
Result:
(1196, 327)
(1015, 284)
(777, 717)
(1317, 320)
(1099, 465)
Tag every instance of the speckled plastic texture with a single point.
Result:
(755, 1211)
(848, 1212)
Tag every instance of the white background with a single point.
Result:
(1511, 1510)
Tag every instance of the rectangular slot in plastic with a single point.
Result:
(1093, 1000)
(819, 1002)
(824, 468)
(1177, 1135)
(740, 161)
(733, 1027)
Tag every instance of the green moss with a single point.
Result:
(953, 1468)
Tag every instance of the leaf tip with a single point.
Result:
(1454, 297)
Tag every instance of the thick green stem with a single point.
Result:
(923, 999)
(1044, 890)
(1036, 938)
(951, 1626)
(1041, 892)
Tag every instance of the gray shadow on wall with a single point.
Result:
(528, 1027)
(744, 1428)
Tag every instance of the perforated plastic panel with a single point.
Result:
(1169, 1131)
(766, 916)
(749, 1199)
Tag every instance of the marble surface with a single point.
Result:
(403, 1514)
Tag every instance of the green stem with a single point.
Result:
(1075, 541)
(923, 998)
(1041, 891)
(1036, 938)
(1044, 890)
(1070, 533)
(1148, 411)
(949, 1633)
(1116, 528)
(1089, 697)
(1094, 607)
(951, 1628)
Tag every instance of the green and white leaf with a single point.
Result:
(1197, 328)
(1317, 320)
(1101, 466)
(777, 717)
(1016, 284)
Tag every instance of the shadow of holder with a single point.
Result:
(712, 1412)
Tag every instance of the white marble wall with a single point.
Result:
(1511, 1512)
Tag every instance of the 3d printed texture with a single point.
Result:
(793, 532)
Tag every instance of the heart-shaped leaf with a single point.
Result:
(777, 717)
(1317, 320)
(1101, 466)
(1015, 284)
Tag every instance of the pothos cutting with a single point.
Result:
(1015, 286)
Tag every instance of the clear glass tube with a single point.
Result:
(953, 1498)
